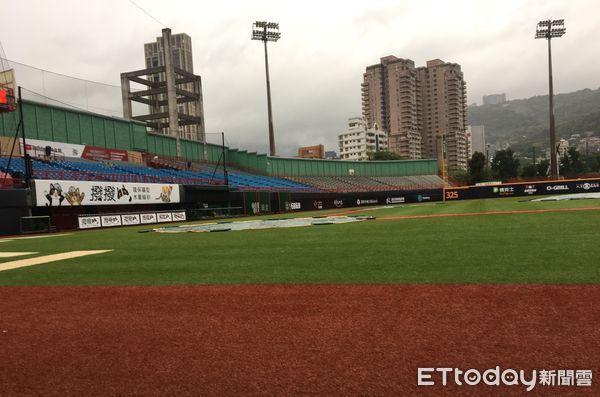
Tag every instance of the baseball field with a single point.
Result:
(340, 309)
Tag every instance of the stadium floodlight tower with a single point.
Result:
(548, 30)
(267, 31)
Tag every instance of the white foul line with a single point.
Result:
(11, 254)
(47, 258)
(4, 240)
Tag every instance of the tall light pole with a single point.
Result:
(267, 31)
(549, 29)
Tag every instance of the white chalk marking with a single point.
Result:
(48, 258)
(11, 254)
(4, 240)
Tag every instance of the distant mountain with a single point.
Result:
(522, 123)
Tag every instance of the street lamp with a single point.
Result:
(267, 31)
(549, 29)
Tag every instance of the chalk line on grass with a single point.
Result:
(13, 254)
(48, 258)
(7, 239)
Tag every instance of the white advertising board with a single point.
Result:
(130, 219)
(110, 220)
(148, 218)
(89, 222)
(37, 147)
(58, 192)
(93, 221)
(179, 216)
(164, 217)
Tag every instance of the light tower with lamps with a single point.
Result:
(548, 30)
(267, 31)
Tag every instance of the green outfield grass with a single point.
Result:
(561, 247)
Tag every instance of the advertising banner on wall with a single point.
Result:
(128, 219)
(525, 189)
(37, 148)
(111, 220)
(100, 153)
(318, 201)
(148, 218)
(67, 193)
(89, 222)
(178, 216)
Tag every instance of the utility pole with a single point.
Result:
(549, 29)
(224, 154)
(25, 154)
(267, 31)
(444, 167)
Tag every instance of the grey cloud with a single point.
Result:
(317, 66)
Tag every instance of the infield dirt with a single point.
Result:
(293, 339)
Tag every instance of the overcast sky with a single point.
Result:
(317, 66)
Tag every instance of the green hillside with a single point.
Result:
(506, 124)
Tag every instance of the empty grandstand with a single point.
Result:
(75, 156)
(82, 170)
(371, 184)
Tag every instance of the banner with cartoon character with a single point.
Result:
(65, 193)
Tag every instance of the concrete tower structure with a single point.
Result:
(173, 94)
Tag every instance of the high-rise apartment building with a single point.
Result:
(390, 101)
(182, 59)
(421, 108)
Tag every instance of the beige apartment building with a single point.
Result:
(418, 107)
(357, 142)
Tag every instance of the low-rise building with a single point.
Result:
(312, 152)
(358, 141)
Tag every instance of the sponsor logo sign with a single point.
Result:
(130, 219)
(148, 218)
(178, 216)
(318, 205)
(37, 148)
(530, 189)
(89, 222)
(100, 154)
(111, 220)
(338, 203)
(395, 200)
(258, 207)
(291, 206)
(587, 186)
(71, 193)
(505, 190)
(164, 217)
(557, 187)
(366, 202)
